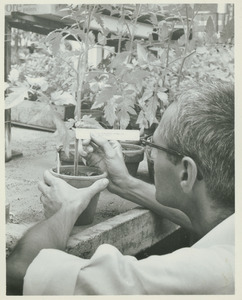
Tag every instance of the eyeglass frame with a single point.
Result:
(145, 142)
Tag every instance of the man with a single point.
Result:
(194, 186)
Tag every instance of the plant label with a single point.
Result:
(109, 134)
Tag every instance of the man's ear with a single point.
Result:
(188, 174)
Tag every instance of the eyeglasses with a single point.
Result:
(146, 142)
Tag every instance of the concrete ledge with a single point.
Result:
(131, 232)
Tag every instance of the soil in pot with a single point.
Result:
(86, 177)
(133, 155)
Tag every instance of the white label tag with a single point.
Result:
(109, 134)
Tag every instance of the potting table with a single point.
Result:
(130, 228)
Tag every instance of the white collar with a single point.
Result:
(223, 233)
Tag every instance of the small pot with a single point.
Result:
(133, 155)
(82, 181)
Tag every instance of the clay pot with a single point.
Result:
(87, 176)
(133, 155)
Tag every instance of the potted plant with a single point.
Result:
(135, 82)
(95, 79)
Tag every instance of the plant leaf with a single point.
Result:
(142, 54)
(147, 94)
(104, 96)
(120, 59)
(88, 121)
(91, 39)
(54, 39)
(16, 97)
(136, 76)
(102, 39)
(110, 112)
(151, 110)
(142, 121)
(124, 117)
(163, 97)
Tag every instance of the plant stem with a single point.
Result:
(76, 158)
(120, 33)
(167, 55)
(138, 7)
(187, 34)
(58, 162)
(82, 68)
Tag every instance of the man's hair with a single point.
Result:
(203, 128)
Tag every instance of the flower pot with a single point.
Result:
(86, 177)
(133, 155)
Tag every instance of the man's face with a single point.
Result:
(168, 190)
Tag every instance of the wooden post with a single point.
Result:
(7, 66)
(9, 153)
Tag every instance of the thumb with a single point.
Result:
(98, 186)
(104, 144)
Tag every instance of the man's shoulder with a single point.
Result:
(222, 234)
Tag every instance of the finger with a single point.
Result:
(86, 142)
(81, 151)
(117, 146)
(49, 178)
(43, 198)
(44, 189)
(84, 147)
(89, 149)
(98, 186)
(104, 144)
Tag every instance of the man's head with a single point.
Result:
(200, 125)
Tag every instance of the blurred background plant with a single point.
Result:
(134, 82)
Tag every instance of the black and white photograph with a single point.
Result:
(119, 140)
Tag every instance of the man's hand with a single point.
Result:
(56, 192)
(109, 157)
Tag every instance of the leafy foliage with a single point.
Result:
(136, 82)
